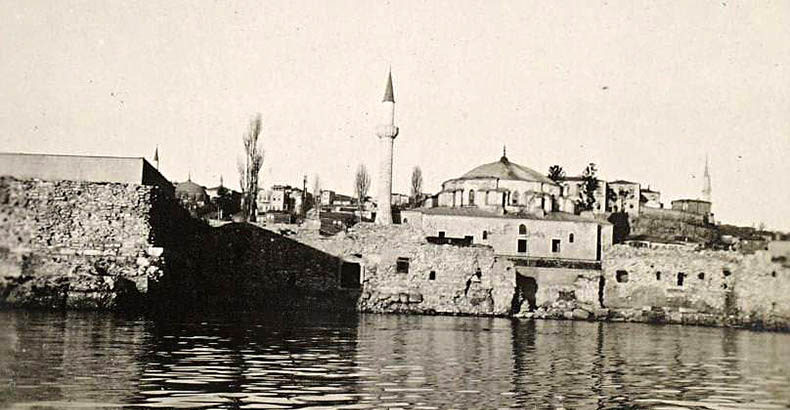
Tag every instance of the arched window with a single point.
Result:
(514, 197)
(522, 229)
(570, 238)
(485, 235)
(471, 197)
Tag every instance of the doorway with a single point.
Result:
(526, 290)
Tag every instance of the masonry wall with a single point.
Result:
(503, 234)
(455, 288)
(727, 286)
(75, 244)
(669, 224)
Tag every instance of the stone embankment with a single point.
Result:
(66, 244)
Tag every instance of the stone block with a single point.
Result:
(415, 297)
(580, 314)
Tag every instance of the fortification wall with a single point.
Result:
(669, 224)
(75, 244)
(716, 288)
(453, 288)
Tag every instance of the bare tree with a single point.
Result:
(317, 196)
(251, 167)
(416, 185)
(361, 186)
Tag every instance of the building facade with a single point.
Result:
(624, 196)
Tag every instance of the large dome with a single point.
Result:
(190, 187)
(506, 170)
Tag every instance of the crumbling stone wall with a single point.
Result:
(453, 288)
(69, 244)
(669, 224)
(717, 287)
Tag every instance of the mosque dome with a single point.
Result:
(190, 189)
(506, 170)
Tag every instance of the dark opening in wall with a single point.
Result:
(349, 275)
(621, 276)
(701, 276)
(570, 238)
(469, 238)
(485, 235)
(478, 273)
(658, 275)
(405, 220)
(402, 265)
(555, 245)
(773, 274)
(681, 276)
(441, 234)
(432, 275)
(726, 272)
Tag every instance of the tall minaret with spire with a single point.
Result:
(706, 188)
(386, 133)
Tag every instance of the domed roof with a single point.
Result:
(504, 169)
(190, 187)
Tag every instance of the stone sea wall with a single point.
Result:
(67, 244)
(702, 287)
(433, 279)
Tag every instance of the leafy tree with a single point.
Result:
(361, 186)
(416, 185)
(251, 167)
(556, 173)
(588, 188)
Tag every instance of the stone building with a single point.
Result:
(624, 197)
(572, 187)
(503, 187)
(695, 207)
(650, 198)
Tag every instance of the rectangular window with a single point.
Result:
(555, 245)
(441, 234)
(402, 265)
(522, 246)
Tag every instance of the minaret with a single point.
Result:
(706, 189)
(386, 133)
(156, 157)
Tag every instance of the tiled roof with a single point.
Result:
(504, 169)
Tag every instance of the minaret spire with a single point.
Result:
(156, 157)
(386, 133)
(706, 187)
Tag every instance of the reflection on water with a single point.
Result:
(80, 360)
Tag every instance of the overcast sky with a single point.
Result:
(643, 89)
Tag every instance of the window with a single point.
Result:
(514, 197)
(402, 265)
(570, 238)
(681, 276)
(432, 275)
(658, 275)
(701, 276)
(485, 235)
(555, 245)
(471, 197)
(522, 229)
(522, 246)
(405, 220)
(441, 234)
(469, 238)
(621, 276)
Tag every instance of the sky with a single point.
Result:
(644, 89)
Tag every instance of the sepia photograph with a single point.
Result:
(378, 204)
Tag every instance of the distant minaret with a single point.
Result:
(706, 189)
(156, 157)
(386, 133)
